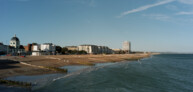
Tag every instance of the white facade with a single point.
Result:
(15, 42)
(36, 53)
(47, 47)
(36, 48)
(127, 46)
(104, 50)
(44, 49)
(15, 47)
(93, 49)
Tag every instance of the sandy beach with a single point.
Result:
(29, 65)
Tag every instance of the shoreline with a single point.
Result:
(11, 65)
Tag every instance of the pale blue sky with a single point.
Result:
(150, 25)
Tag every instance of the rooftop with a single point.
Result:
(14, 38)
(87, 45)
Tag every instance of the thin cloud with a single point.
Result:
(172, 7)
(142, 8)
(186, 1)
(160, 17)
(185, 13)
(91, 3)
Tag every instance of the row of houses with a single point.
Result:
(35, 49)
(94, 49)
(6, 49)
(14, 48)
(91, 49)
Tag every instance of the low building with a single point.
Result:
(72, 47)
(17, 51)
(117, 51)
(15, 48)
(44, 49)
(28, 49)
(36, 50)
(3, 49)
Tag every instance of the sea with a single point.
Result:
(158, 73)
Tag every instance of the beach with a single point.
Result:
(35, 65)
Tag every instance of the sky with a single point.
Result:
(150, 25)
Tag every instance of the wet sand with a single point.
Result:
(11, 66)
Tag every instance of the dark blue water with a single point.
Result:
(160, 73)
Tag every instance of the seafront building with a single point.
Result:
(35, 49)
(104, 50)
(91, 49)
(94, 49)
(43, 49)
(126, 46)
(15, 48)
(116, 51)
(72, 47)
(3, 48)
(28, 49)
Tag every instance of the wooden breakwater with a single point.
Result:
(15, 83)
(55, 69)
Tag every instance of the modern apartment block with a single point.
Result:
(105, 50)
(94, 49)
(126, 46)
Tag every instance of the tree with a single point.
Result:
(34, 43)
(58, 49)
(64, 50)
(82, 52)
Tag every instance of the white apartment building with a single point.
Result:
(104, 50)
(127, 46)
(36, 50)
(91, 49)
(44, 49)
(94, 49)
